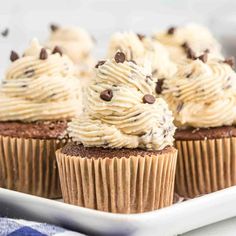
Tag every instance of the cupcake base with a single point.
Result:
(119, 181)
(28, 164)
(206, 160)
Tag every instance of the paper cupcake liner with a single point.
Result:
(29, 166)
(120, 185)
(205, 166)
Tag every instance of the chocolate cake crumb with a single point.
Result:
(36, 130)
(74, 149)
(191, 133)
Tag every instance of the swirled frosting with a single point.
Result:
(35, 89)
(142, 49)
(125, 121)
(76, 43)
(198, 38)
(202, 94)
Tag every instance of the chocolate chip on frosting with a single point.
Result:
(180, 107)
(54, 27)
(159, 85)
(203, 57)
(120, 57)
(106, 95)
(14, 56)
(29, 73)
(141, 36)
(100, 63)
(191, 54)
(5, 32)
(57, 50)
(171, 30)
(185, 45)
(148, 98)
(43, 54)
(230, 61)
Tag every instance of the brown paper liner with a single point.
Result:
(29, 166)
(205, 166)
(120, 185)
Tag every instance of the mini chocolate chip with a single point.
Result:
(185, 45)
(180, 107)
(141, 36)
(5, 32)
(188, 75)
(14, 56)
(190, 54)
(133, 62)
(203, 57)
(148, 98)
(230, 61)
(43, 54)
(100, 63)
(120, 57)
(29, 73)
(54, 27)
(154, 72)
(159, 85)
(24, 86)
(171, 30)
(106, 95)
(207, 50)
(57, 50)
(52, 95)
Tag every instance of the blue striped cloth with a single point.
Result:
(16, 227)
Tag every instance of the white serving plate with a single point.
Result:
(177, 219)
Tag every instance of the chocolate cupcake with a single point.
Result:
(38, 96)
(121, 159)
(202, 97)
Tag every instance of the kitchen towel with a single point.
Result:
(18, 227)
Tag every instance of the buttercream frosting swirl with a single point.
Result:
(202, 94)
(196, 36)
(35, 89)
(125, 121)
(75, 42)
(142, 50)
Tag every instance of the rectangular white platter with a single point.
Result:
(174, 220)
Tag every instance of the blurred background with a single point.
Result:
(30, 18)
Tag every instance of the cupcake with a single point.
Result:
(38, 96)
(202, 96)
(142, 49)
(77, 44)
(179, 39)
(121, 157)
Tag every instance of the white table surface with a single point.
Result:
(223, 228)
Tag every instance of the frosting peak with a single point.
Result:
(121, 110)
